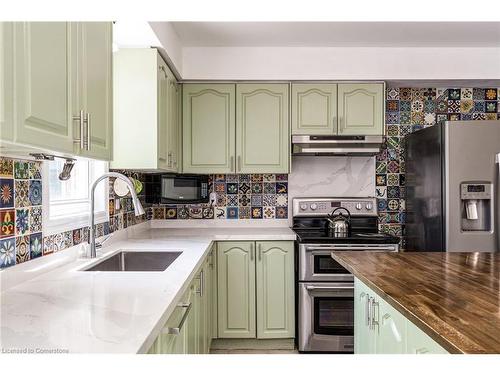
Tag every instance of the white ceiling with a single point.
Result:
(338, 34)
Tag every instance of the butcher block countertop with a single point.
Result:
(453, 297)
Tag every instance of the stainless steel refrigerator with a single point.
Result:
(452, 187)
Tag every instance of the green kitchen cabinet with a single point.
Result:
(208, 128)
(145, 100)
(391, 329)
(6, 81)
(275, 289)
(61, 87)
(45, 61)
(380, 329)
(361, 109)
(236, 289)
(192, 322)
(94, 88)
(364, 339)
(420, 343)
(314, 108)
(262, 128)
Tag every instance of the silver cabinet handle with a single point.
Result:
(239, 163)
(81, 122)
(369, 311)
(375, 322)
(177, 330)
(260, 252)
(202, 283)
(251, 252)
(367, 308)
(89, 127)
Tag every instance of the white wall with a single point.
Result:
(170, 42)
(339, 63)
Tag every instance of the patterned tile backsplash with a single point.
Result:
(238, 196)
(411, 109)
(21, 215)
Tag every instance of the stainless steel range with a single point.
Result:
(325, 288)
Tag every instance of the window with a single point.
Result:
(66, 204)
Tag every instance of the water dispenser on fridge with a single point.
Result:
(477, 206)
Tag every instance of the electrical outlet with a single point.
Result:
(213, 198)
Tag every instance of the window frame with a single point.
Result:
(73, 221)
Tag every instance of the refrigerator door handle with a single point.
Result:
(496, 216)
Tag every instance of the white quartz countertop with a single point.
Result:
(66, 309)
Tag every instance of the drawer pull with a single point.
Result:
(177, 330)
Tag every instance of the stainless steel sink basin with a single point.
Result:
(138, 261)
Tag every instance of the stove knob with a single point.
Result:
(358, 206)
(303, 206)
(369, 206)
(313, 206)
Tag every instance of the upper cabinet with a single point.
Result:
(94, 88)
(43, 84)
(262, 135)
(208, 128)
(61, 89)
(314, 108)
(338, 109)
(146, 117)
(361, 109)
(6, 81)
(241, 128)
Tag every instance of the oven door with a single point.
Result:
(326, 317)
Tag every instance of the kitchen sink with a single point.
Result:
(138, 261)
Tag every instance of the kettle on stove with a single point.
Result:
(338, 224)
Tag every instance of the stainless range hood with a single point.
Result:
(336, 145)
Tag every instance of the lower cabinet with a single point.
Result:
(381, 329)
(255, 286)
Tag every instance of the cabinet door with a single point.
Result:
(173, 126)
(192, 326)
(391, 329)
(95, 87)
(208, 128)
(236, 288)
(163, 137)
(275, 290)
(6, 82)
(314, 108)
(262, 128)
(361, 109)
(419, 343)
(43, 57)
(363, 335)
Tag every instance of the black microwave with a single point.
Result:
(178, 189)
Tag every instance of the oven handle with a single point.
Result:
(310, 287)
(353, 248)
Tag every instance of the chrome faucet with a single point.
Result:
(138, 209)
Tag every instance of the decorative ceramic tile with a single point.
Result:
(392, 93)
(281, 177)
(268, 212)
(256, 213)
(182, 213)
(6, 193)
(232, 178)
(244, 188)
(48, 244)
(244, 200)
(35, 192)
(282, 200)
(35, 219)
(21, 189)
(77, 236)
(256, 178)
(221, 200)
(22, 249)
(256, 188)
(244, 213)
(6, 167)
(220, 212)
(22, 221)
(232, 213)
(256, 200)
(7, 252)
(171, 213)
(466, 93)
(195, 211)
(158, 213)
(490, 94)
(232, 200)
(35, 245)
(269, 177)
(35, 170)
(269, 200)
(269, 188)
(21, 169)
(232, 188)
(8, 223)
(281, 212)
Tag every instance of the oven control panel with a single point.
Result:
(324, 206)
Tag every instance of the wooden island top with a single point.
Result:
(452, 297)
